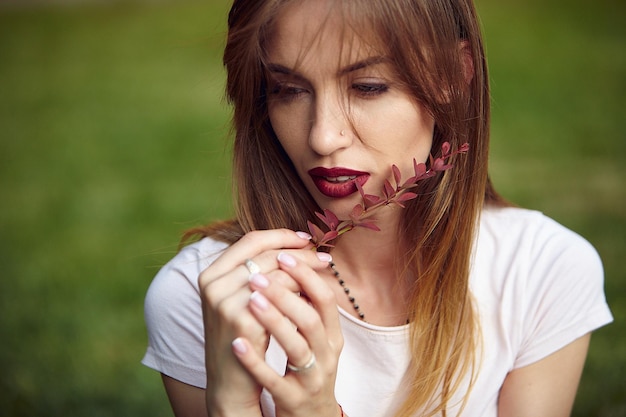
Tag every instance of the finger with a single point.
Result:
(234, 310)
(274, 303)
(265, 262)
(320, 295)
(258, 368)
(217, 289)
(279, 325)
(255, 243)
(232, 313)
(294, 323)
(278, 277)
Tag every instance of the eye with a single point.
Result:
(286, 91)
(370, 89)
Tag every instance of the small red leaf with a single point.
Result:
(445, 148)
(356, 211)
(371, 200)
(315, 231)
(324, 244)
(360, 189)
(420, 169)
(406, 196)
(369, 225)
(397, 176)
(329, 218)
(409, 182)
(440, 165)
(389, 190)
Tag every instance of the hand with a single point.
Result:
(315, 343)
(225, 293)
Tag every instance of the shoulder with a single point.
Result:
(537, 281)
(183, 269)
(530, 236)
(519, 221)
(173, 314)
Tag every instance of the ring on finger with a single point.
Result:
(310, 364)
(253, 268)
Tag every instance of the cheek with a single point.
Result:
(290, 126)
(283, 129)
(399, 129)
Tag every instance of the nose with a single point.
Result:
(330, 127)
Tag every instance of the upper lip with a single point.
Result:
(335, 172)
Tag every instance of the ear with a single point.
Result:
(467, 61)
(467, 67)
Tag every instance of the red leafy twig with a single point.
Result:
(361, 214)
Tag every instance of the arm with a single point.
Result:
(547, 387)
(186, 400)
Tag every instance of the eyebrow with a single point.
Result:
(371, 61)
(367, 62)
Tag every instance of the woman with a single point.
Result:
(458, 304)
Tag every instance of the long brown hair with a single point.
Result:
(436, 48)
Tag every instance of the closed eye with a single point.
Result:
(287, 91)
(370, 89)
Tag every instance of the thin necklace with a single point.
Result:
(347, 291)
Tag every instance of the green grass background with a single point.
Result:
(113, 139)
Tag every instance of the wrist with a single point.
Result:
(225, 407)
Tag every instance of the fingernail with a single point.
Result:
(286, 259)
(304, 235)
(324, 257)
(259, 300)
(259, 281)
(239, 346)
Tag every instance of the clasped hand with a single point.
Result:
(287, 299)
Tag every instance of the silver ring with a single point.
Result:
(310, 364)
(253, 268)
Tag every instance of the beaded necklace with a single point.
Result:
(346, 290)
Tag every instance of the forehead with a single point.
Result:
(308, 32)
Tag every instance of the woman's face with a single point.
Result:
(337, 108)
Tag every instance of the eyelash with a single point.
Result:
(370, 90)
(290, 92)
(286, 91)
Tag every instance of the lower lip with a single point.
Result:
(338, 189)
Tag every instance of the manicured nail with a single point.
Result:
(324, 257)
(239, 346)
(259, 300)
(304, 235)
(259, 281)
(286, 259)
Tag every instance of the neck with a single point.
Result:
(366, 261)
(367, 252)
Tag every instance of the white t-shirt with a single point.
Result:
(537, 287)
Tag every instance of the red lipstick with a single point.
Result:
(337, 182)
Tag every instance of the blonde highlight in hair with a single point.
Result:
(436, 48)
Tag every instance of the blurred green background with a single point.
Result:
(114, 139)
